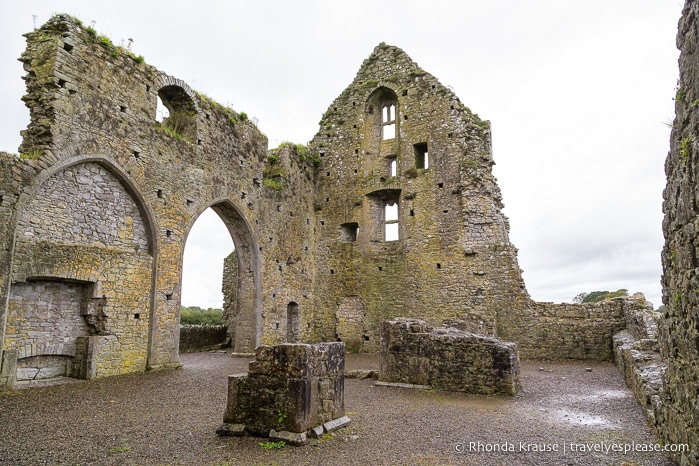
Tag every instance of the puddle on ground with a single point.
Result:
(581, 418)
(601, 395)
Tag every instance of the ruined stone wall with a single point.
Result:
(678, 333)
(202, 337)
(229, 288)
(453, 256)
(103, 195)
(446, 358)
(566, 331)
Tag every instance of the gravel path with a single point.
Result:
(165, 418)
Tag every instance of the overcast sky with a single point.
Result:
(579, 94)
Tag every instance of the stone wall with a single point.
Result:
(202, 337)
(104, 196)
(566, 331)
(290, 390)
(392, 211)
(678, 333)
(446, 358)
(432, 159)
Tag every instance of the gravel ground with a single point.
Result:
(165, 418)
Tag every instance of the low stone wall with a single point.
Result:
(638, 358)
(201, 337)
(447, 359)
(568, 331)
(290, 391)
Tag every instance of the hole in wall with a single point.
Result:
(168, 233)
(62, 83)
(160, 193)
(136, 154)
(67, 47)
(123, 108)
(168, 296)
(349, 231)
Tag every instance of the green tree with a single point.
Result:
(597, 296)
(194, 315)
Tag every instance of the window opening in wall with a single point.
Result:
(422, 159)
(392, 167)
(348, 232)
(391, 230)
(176, 113)
(388, 121)
(161, 111)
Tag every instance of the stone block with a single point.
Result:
(296, 439)
(290, 389)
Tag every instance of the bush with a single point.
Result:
(195, 315)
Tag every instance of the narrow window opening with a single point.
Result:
(293, 323)
(62, 83)
(137, 316)
(380, 268)
(168, 296)
(439, 266)
(391, 229)
(160, 193)
(388, 121)
(67, 47)
(136, 154)
(440, 185)
(405, 92)
(123, 108)
(412, 213)
(332, 271)
(393, 167)
(322, 154)
(422, 160)
(168, 233)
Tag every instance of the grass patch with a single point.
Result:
(269, 445)
(272, 184)
(31, 155)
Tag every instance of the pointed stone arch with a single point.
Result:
(83, 251)
(245, 313)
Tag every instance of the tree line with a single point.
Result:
(194, 315)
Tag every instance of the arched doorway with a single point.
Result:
(239, 286)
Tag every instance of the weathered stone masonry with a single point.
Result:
(392, 211)
(95, 214)
(678, 330)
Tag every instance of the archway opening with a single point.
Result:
(208, 246)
